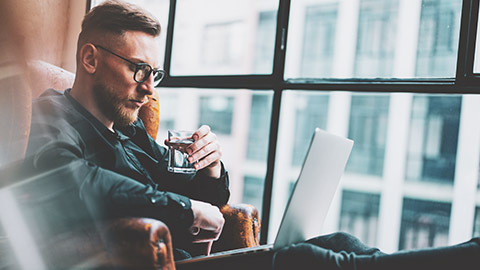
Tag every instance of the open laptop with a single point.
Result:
(311, 197)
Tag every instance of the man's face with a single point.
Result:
(118, 96)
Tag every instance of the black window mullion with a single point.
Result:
(169, 40)
(278, 83)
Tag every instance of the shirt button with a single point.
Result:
(153, 200)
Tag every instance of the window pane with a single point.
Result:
(424, 224)
(373, 39)
(476, 66)
(218, 37)
(240, 119)
(359, 215)
(432, 149)
(411, 152)
(159, 9)
(476, 225)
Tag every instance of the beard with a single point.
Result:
(112, 106)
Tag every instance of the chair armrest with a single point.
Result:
(241, 229)
(124, 243)
(138, 243)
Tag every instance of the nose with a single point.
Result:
(147, 87)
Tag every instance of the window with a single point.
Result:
(359, 215)
(382, 72)
(223, 37)
(424, 224)
(319, 41)
(368, 128)
(433, 138)
(377, 25)
(438, 38)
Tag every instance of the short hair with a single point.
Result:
(115, 18)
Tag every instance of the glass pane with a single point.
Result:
(476, 225)
(373, 39)
(432, 149)
(476, 66)
(241, 121)
(359, 215)
(218, 37)
(159, 9)
(398, 189)
(424, 224)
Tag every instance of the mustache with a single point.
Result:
(142, 100)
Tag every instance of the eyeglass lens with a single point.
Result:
(143, 71)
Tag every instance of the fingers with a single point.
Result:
(206, 149)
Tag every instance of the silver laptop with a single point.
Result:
(318, 180)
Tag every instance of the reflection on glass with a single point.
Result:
(424, 224)
(434, 127)
(373, 38)
(217, 37)
(241, 121)
(359, 215)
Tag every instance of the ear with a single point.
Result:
(88, 58)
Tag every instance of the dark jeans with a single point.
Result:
(344, 251)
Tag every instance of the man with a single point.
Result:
(92, 133)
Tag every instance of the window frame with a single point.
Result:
(464, 82)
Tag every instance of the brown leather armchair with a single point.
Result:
(132, 243)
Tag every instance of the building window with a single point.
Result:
(217, 112)
(433, 138)
(359, 215)
(377, 26)
(368, 128)
(221, 44)
(253, 191)
(311, 112)
(476, 223)
(265, 42)
(424, 224)
(257, 144)
(319, 41)
(438, 38)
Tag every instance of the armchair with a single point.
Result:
(128, 242)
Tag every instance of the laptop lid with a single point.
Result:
(313, 192)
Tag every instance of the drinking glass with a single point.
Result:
(179, 140)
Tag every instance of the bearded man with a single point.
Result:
(91, 138)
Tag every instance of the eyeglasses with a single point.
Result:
(142, 70)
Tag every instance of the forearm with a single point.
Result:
(213, 190)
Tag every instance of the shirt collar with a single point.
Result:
(90, 117)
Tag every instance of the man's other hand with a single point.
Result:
(206, 217)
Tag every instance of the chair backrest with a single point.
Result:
(43, 75)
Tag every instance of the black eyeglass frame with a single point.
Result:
(140, 66)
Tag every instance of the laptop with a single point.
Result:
(315, 188)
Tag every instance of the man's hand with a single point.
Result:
(208, 221)
(206, 151)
